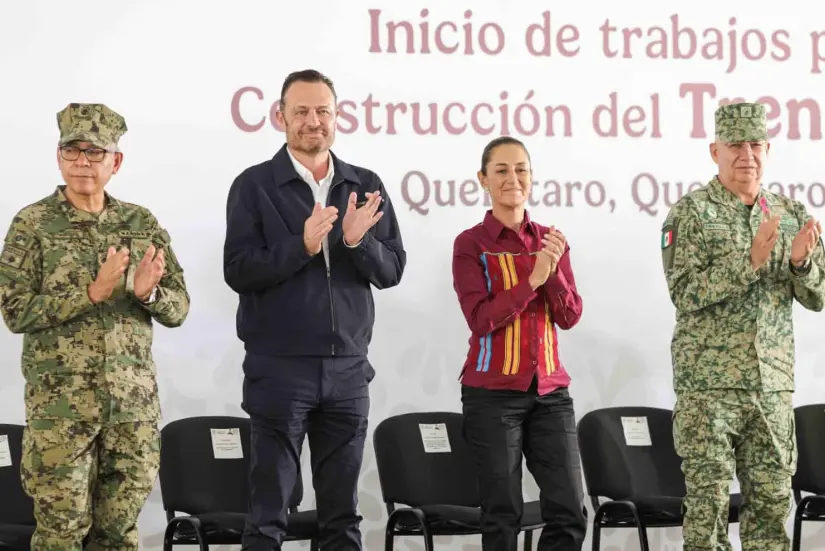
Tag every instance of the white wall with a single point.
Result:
(172, 69)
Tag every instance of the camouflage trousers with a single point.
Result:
(88, 481)
(753, 434)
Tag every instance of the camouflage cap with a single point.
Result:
(741, 122)
(90, 122)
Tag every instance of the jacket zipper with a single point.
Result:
(329, 276)
(331, 305)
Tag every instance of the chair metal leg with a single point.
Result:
(389, 534)
(169, 537)
(796, 542)
(797, 535)
(428, 539)
(388, 537)
(602, 511)
(169, 533)
(597, 536)
(528, 540)
(645, 546)
(801, 508)
(202, 541)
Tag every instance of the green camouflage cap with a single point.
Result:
(90, 122)
(741, 122)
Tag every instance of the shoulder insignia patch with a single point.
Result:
(668, 241)
(20, 239)
(667, 237)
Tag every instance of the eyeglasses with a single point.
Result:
(72, 153)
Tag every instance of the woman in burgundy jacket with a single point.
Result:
(515, 286)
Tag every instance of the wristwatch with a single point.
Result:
(152, 297)
(801, 270)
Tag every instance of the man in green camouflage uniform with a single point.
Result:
(82, 276)
(735, 257)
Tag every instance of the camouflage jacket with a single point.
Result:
(734, 325)
(80, 360)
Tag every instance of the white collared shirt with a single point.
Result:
(320, 190)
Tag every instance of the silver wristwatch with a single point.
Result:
(152, 297)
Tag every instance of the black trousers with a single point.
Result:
(500, 426)
(327, 400)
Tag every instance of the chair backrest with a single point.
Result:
(629, 451)
(810, 444)
(204, 473)
(423, 459)
(15, 506)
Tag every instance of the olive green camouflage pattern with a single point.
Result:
(81, 361)
(741, 122)
(733, 360)
(88, 480)
(734, 326)
(90, 122)
(760, 428)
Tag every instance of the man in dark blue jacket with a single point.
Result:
(307, 235)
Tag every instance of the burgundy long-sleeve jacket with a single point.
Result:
(513, 326)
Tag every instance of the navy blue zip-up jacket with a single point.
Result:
(289, 303)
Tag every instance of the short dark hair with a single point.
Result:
(306, 75)
(490, 147)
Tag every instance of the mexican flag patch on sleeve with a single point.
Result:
(667, 238)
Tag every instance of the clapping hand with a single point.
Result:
(358, 220)
(764, 241)
(804, 243)
(149, 272)
(547, 259)
(109, 275)
(317, 226)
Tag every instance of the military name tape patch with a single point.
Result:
(135, 234)
(716, 227)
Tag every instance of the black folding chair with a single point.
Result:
(810, 470)
(16, 508)
(438, 491)
(213, 493)
(644, 484)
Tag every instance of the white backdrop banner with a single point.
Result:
(615, 103)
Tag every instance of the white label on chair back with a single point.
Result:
(226, 443)
(5, 453)
(435, 438)
(636, 431)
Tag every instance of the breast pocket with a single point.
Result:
(137, 250)
(789, 227)
(68, 262)
(724, 241)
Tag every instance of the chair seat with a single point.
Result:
(659, 511)
(15, 536)
(227, 528)
(456, 519)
